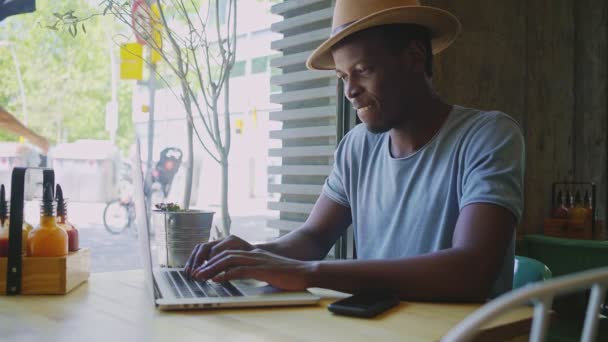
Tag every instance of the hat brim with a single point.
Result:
(444, 27)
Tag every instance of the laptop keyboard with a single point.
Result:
(183, 287)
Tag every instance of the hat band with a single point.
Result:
(341, 28)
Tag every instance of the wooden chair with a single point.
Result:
(541, 295)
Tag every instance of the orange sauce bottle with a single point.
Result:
(5, 220)
(578, 212)
(47, 240)
(62, 220)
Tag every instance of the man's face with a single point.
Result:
(378, 82)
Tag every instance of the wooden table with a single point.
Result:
(116, 307)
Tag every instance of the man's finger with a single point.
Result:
(201, 254)
(240, 272)
(229, 243)
(227, 252)
(228, 261)
(190, 263)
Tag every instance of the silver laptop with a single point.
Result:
(172, 290)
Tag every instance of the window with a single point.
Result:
(259, 65)
(238, 69)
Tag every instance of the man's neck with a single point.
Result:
(420, 129)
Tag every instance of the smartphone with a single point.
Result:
(363, 305)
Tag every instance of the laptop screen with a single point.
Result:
(141, 218)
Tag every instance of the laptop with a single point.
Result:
(172, 290)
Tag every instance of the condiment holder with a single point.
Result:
(573, 212)
(37, 275)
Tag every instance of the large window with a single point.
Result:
(259, 65)
(238, 69)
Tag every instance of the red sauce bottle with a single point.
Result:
(3, 242)
(3, 229)
(62, 220)
(560, 211)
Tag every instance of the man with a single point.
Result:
(9, 123)
(434, 191)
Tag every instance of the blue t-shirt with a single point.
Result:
(404, 207)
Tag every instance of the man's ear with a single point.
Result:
(416, 54)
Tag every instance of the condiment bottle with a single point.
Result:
(3, 242)
(569, 203)
(5, 220)
(48, 240)
(62, 220)
(578, 212)
(560, 211)
(588, 205)
(3, 208)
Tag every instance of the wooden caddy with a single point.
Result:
(37, 275)
(586, 229)
(53, 275)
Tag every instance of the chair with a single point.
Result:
(541, 296)
(528, 270)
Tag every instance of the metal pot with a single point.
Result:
(177, 233)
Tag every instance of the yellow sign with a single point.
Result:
(239, 124)
(131, 61)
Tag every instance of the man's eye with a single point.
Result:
(363, 70)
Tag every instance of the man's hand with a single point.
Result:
(278, 271)
(205, 251)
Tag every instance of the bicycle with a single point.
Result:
(119, 214)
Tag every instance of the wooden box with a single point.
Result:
(574, 229)
(52, 275)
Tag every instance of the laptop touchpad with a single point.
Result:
(252, 287)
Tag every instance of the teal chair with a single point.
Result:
(564, 257)
(528, 270)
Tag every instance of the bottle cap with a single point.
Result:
(61, 203)
(46, 208)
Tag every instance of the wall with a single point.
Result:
(544, 63)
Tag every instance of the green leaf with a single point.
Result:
(83, 29)
(59, 16)
(75, 25)
(54, 28)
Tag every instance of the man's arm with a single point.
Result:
(465, 272)
(313, 240)
(11, 124)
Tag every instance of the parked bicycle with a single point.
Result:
(119, 214)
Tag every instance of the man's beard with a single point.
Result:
(377, 129)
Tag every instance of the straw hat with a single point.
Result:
(351, 16)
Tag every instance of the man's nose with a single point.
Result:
(352, 89)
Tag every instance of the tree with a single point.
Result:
(201, 54)
(67, 85)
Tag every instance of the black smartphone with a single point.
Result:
(363, 305)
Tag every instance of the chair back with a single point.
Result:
(541, 295)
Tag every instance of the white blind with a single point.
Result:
(308, 115)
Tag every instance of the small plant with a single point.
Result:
(172, 207)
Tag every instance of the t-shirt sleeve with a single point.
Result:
(494, 165)
(335, 186)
